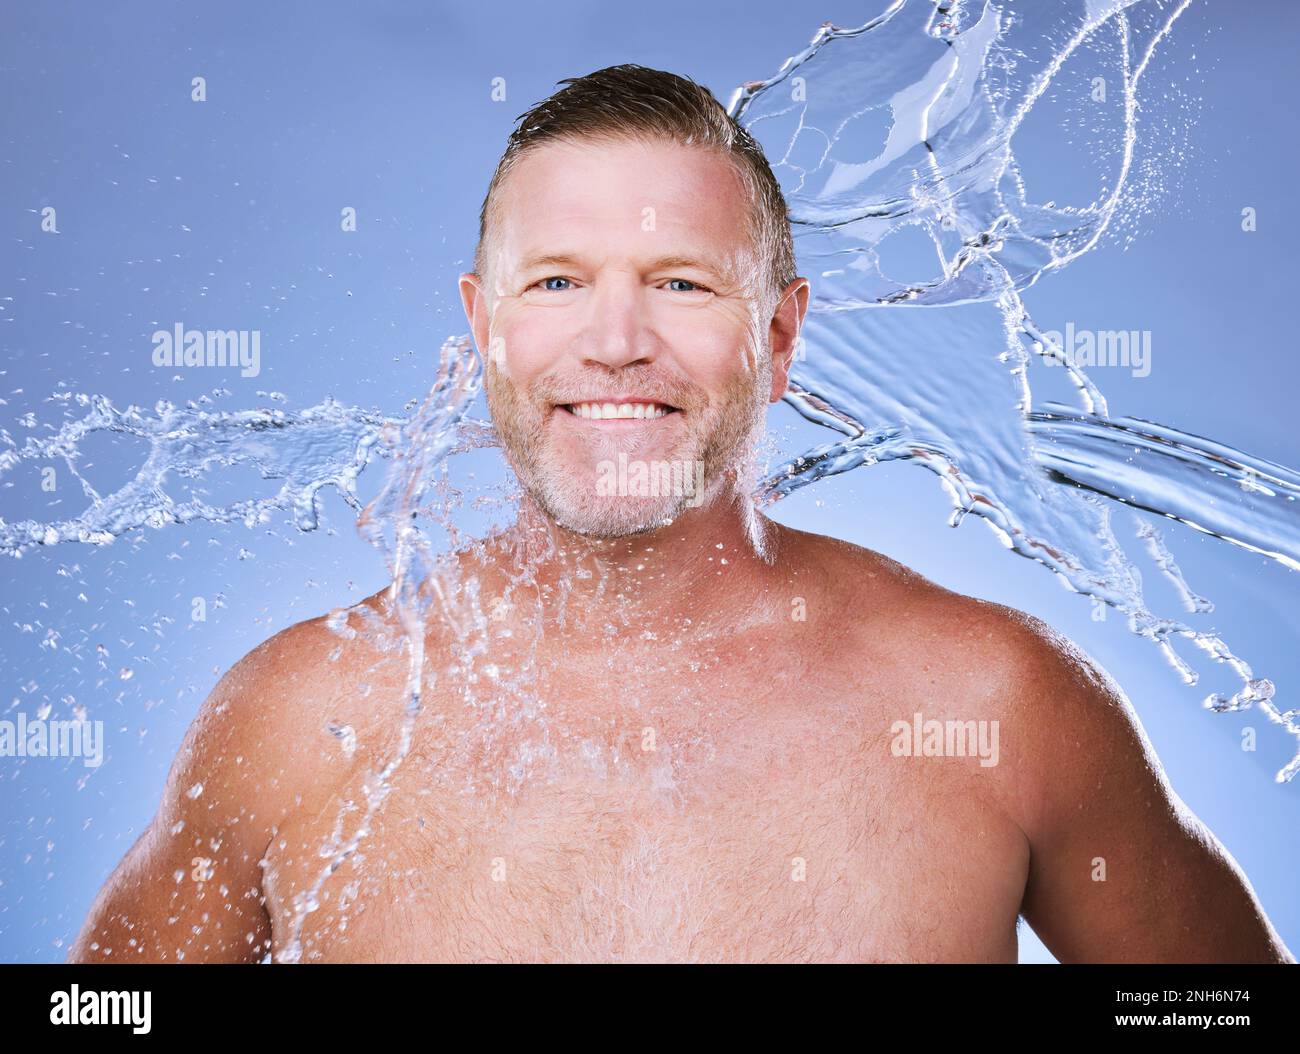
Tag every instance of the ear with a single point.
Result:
(475, 301)
(783, 333)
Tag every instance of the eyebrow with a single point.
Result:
(663, 263)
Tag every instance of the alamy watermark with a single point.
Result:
(945, 739)
(40, 738)
(213, 347)
(1082, 348)
(75, 1007)
(651, 479)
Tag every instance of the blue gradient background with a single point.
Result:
(226, 215)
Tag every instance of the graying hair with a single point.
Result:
(630, 101)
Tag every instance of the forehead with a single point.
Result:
(628, 193)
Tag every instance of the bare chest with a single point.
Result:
(764, 823)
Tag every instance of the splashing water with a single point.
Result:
(900, 129)
(908, 126)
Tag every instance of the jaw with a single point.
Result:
(597, 477)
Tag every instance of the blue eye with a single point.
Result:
(543, 283)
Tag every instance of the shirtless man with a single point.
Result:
(647, 730)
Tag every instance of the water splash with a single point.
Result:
(326, 445)
(389, 522)
(906, 126)
(897, 130)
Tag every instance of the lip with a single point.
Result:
(618, 400)
(563, 408)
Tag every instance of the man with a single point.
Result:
(647, 730)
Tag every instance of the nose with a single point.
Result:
(617, 333)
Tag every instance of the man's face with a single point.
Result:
(621, 319)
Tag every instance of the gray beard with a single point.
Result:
(722, 452)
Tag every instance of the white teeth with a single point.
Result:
(613, 411)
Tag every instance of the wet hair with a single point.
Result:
(629, 102)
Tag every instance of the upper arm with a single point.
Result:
(189, 889)
(1121, 870)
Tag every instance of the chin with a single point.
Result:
(626, 521)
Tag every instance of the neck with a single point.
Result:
(707, 572)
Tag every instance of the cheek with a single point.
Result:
(713, 351)
(713, 337)
(525, 348)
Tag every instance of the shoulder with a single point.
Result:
(1004, 647)
(279, 721)
(1066, 727)
(899, 604)
(1073, 748)
(288, 677)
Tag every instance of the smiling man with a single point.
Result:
(650, 317)
(656, 725)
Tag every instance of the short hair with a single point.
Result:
(630, 101)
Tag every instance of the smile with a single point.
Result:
(622, 410)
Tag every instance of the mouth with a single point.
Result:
(622, 409)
